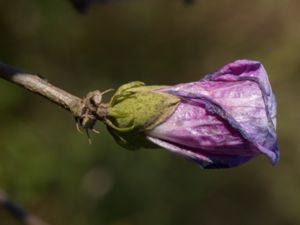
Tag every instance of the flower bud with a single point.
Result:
(223, 120)
(136, 109)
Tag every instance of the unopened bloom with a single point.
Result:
(223, 120)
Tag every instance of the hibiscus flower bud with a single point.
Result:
(136, 109)
(221, 121)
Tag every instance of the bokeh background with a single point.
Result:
(52, 171)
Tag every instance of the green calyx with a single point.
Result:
(136, 108)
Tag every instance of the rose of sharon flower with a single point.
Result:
(221, 121)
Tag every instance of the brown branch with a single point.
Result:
(19, 213)
(86, 110)
(36, 84)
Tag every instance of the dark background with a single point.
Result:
(50, 169)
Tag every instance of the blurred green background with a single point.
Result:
(51, 170)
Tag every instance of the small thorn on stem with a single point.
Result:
(106, 91)
(88, 135)
(96, 131)
(78, 127)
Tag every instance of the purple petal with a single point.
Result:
(217, 161)
(248, 70)
(228, 117)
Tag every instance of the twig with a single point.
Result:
(16, 211)
(86, 110)
(36, 84)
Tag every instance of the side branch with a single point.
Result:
(16, 211)
(36, 84)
